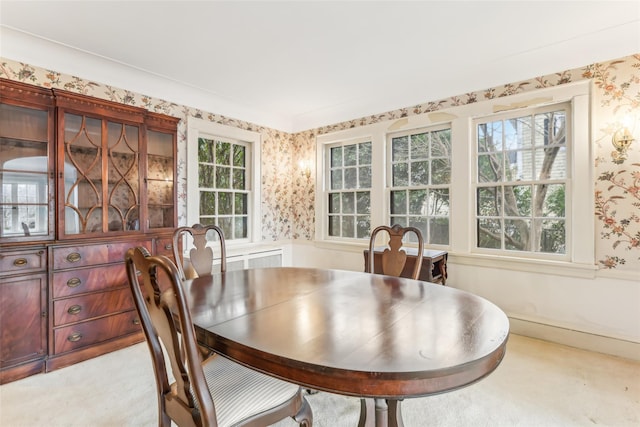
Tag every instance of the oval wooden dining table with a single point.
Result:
(377, 337)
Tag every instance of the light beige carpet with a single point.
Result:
(537, 384)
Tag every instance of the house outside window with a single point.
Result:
(522, 174)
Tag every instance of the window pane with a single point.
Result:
(350, 178)
(363, 202)
(440, 171)
(364, 153)
(519, 165)
(439, 202)
(223, 177)
(490, 137)
(348, 203)
(348, 226)
(490, 167)
(334, 203)
(551, 199)
(418, 202)
(207, 203)
(420, 173)
(334, 225)
(489, 233)
(400, 174)
(205, 175)
(205, 150)
(238, 179)
(553, 235)
(336, 157)
(419, 146)
(240, 229)
(336, 179)
(421, 224)
(489, 201)
(240, 206)
(398, 202)
(350, 153)
(517, 200)
(400, 220)
(400, 149)
(223, 153)
(364, 227)
(441, 143)
(364, 175)
(238, 155)
(225, 203)
(227, 226)
(516, 234)
(551, 163)
(439, 231)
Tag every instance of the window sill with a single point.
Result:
(556, 268)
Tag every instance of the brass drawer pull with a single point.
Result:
(74, 337)
(168, 246)
(136, 321)
(74, 282)
(74, 309)
(74, 257)
(20, 262)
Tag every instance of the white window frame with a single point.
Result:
(580, 258)
(199, 128)
(327, 151)
(429, 187)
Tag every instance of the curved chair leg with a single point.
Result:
(304, 417)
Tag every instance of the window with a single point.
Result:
(502, 182)
(223, 172)
(522, 179)
(222, 183)
(420, 177)
(349, 195)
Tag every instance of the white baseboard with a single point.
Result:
(578, 339)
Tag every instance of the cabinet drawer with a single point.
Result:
(12, 262)
(95, 331)
(164, 246)
(81, 256)
(89, 279)
(83, 307)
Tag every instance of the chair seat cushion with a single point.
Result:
(239, 392)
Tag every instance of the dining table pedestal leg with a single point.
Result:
(380, 413)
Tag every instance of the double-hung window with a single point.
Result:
(522, 172)
(223, 179)
(349, 195)
(419, 165)
(522, 177)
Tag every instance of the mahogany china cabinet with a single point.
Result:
(83, 180)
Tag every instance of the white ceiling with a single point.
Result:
(298, 65)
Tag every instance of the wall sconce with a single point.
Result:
(305, 168)
(621, 140)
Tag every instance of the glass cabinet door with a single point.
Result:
(160, 179)
(25, 172)
(101, 175)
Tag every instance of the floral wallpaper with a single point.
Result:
(288, 199)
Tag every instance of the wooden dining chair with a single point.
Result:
(393, 259)
(210, 392)
(201, 254)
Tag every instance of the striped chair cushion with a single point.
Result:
(239, 392)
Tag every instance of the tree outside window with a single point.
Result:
(420, 178)
(522, 176)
